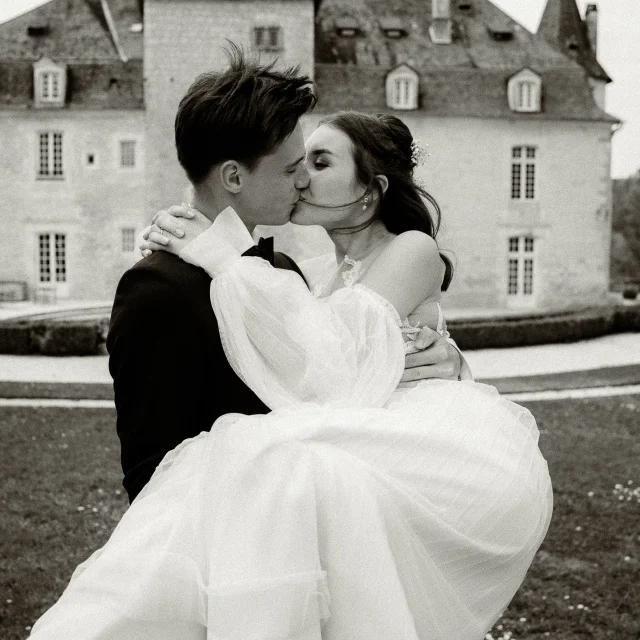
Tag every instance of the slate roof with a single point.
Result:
(108, 85)
(472, 44)
(458, 92)
(75, 32)
(465, 78)
(561, 24)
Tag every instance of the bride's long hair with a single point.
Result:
(382, 145)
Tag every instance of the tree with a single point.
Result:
(625, 243)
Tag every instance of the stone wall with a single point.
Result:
(184, 38)
(468, 171)
(91, 204)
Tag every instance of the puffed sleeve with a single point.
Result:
(287, 345)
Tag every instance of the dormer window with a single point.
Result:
(572, 43)
(500, 30)
(38, 30)
(393, 27)
(347, 27)
(50, 83)
(524, 91)
(268, 38)
(402, 88)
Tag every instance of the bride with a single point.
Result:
(354, 510)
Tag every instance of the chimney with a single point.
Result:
(440, 27)
(441, 9)
(591, 20)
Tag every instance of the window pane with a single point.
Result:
(528, 244)
(45, 85)
(274, 37)
(44, 258)
(43, 169)
(516, 152)
(530, 180)
(57, 154)
(127, 153)
(522, 86)
(531, 152)
(513, 244)
(258, 36)
(55, 86)
(61, 258)
(398, 91)
(512, 275)
(516, 173)
(528, 277)
(128, 240)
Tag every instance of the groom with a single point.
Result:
(240, 142)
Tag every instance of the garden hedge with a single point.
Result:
(79, 338)
(53, 339)
(552, 328)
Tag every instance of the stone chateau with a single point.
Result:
(516, 125)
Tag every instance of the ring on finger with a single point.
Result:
(161, 232)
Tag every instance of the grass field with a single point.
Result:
(61, 497)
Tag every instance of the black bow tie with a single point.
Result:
(264, 249)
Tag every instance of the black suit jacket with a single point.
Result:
(170, 375)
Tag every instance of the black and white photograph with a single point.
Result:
(320, 320)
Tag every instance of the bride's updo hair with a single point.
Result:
(382, 145)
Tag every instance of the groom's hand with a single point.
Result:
(437, 359)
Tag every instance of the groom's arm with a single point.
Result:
(155, 369)
(439, 357)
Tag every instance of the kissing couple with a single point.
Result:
(284, 481)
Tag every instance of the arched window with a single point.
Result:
(402, 88)
(524, 91)
(50, 83)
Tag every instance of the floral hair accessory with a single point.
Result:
(418, 153)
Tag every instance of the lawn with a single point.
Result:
(61, 497)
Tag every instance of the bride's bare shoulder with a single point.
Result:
(412, 249)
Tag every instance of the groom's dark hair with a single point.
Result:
(242, 113)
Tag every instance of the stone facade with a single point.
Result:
(547, 251)
(468, 171)
(90, 204)
(186, 38)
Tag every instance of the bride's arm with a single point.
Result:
(287, 345)
(408, 271)
(326, 345)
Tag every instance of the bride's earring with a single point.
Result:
(366, 203)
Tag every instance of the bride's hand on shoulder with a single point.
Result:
(172, 229)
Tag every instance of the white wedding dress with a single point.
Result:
(352, 511)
